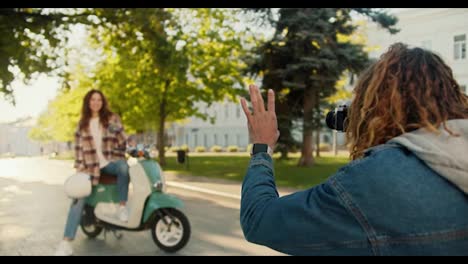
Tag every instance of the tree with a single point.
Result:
(306, 58)
(158, 63)
(60, 120)
(32, 41)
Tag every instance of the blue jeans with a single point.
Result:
(118, 168)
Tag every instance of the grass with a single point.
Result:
(287, 174)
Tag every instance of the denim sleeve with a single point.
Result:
(309, 222)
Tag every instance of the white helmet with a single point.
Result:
(78, 185)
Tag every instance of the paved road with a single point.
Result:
(33, 211)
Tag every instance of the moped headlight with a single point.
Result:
(159, 186)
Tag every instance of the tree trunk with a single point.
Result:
(284, 126)
(307, 159)
(318, 125)
(317, 143)
(162, 120)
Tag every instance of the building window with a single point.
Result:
(226, 111)
(326, 139)
(205, 140)
(215, 139)
(238, 111)
(186, 138)
(226, 140)
(195, 136)
(238, 140)
(459, 47)
(426, 44)
(463, 88)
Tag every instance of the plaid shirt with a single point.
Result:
(113, 147)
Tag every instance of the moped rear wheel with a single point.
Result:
(170, 230)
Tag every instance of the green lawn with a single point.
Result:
(287, 174)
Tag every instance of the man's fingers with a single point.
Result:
(257, 101)
(271, 101)
(261, 103)
(246, 109)
(253, 96)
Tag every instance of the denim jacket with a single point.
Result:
(388, 203)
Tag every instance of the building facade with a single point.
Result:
(229, 128)
(441, 30)
(14, 140)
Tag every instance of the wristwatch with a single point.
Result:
(257, 148)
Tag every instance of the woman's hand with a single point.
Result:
(95, 182)
(262, 123)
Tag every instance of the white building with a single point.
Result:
(230, 128)
(441, 30)
(14, 138)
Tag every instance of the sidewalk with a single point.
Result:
(226, 190)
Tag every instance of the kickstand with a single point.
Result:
(118, 235)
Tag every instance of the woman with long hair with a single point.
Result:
(100, 143)
(406, 190)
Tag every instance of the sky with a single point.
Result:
(31, 100)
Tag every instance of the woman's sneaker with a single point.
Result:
(64, 249)
(123, 213)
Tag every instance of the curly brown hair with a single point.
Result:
(405, 90)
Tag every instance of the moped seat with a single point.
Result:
(107, 179)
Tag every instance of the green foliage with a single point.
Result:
(32, 42)
(156, 63)
(60, 120)
(184, 148)
(232, 148)
(324, 147)
(309, 53)
(200, 149)
(174, 149)
(216, 148)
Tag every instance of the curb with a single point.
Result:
(202, 190)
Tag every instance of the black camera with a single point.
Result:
(335, 119)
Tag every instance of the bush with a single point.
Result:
(174, 149)
(216, 148)
(324, 147)
(232, 148)
(249, 148)
(200, 149)
(184, 147)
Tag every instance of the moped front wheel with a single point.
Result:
(92, 230)
(170, 230)
(88, 223)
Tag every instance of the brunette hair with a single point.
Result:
(104, 113)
